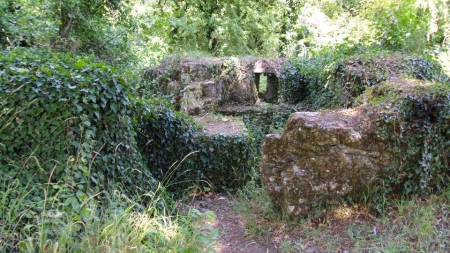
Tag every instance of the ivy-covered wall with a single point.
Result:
(65, 121)
(417, 127)
(183, 158)
(322, 83)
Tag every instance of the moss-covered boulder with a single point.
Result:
(321, 157)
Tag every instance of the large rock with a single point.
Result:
(320, 158)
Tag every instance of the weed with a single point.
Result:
(56, 215)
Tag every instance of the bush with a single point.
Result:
(66, 127)
(401, 25)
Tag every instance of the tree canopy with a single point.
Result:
(131, 32)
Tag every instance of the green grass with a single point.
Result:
(56, 216)
(35, 219)
(119, 226)
(409, 225)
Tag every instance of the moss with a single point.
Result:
(319, 84)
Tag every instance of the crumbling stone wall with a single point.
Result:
(321, 157)
(202, 84)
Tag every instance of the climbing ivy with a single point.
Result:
(418, 132)
(327, 82)
(183, 158)
(301, 80)
(165, 138)
(66, 129)
(154, 81)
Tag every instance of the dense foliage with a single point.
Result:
(65, 132)
(70, 156)
(184, 158)
(78, 26)
(415, 123)
(75, 105)
(133, 33)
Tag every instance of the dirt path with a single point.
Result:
(233, 237)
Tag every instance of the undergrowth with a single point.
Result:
(71, 177)
(419, 224)
(117, 224)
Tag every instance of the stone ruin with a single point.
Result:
(320, 158)
(202, 84)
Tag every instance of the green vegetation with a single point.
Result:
(183, 158)
(115, 224)
(418, 128)
(133, 34)
(321, 83)
(77, 106)
(93, 159)
(409, 225)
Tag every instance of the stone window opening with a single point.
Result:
(261, 83)
(267, 87)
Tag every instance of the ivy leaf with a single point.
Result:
(113, 107)
(80, 64)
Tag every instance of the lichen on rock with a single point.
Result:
(320, 158)
(191, 99)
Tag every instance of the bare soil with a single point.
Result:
(214, 124)
(233, 236)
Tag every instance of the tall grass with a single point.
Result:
(117, 225)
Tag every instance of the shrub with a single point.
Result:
(66, 126)
(401, 25)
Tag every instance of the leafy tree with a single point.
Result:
(88, 26)
(23, 23)
(82, 26)
(216, 27)
(130, 32)
(401, 25)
